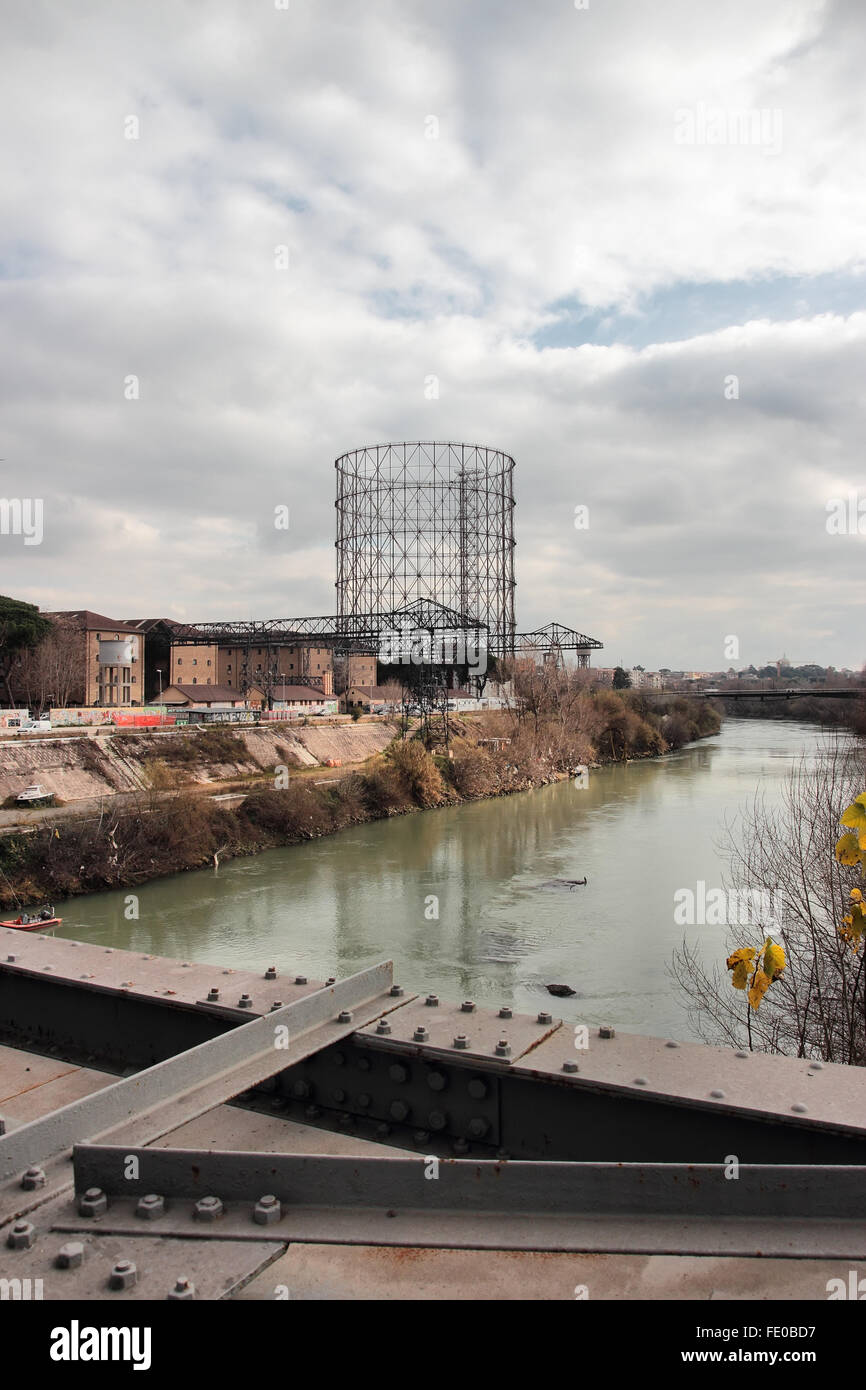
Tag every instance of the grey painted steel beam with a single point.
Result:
(156, 1100)
(796, 1212)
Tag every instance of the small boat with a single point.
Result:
(43, 920)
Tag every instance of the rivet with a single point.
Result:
(150, 1207)
(545, 1018)
(460, 1146)
(816, 1066)
(245, 1002)
(605, 1031)
(383, 1026)
(11, 958)
(33, 1178)
(70, 1255)
(420, 1035)
(344, 1016)
(267, 1210)
(183, 1288)
(331, 980)
(478, 1127)
(799, 1108)
(640, 1081)
(301, 1089)
(300, 979)
(364, 1101)
(363, 1064)
(671, 1044)
(477, 1088)
(21, 1235)
(382, 1131)
(505, 1012)
(432, 1001)
(437, 1080)
(717, 1095)
(398, 1110)
(271, 972)
(461, 1041)
(338, 1058)
(741, 1054)
(569, 1066)
(398, 1072)
(468, 1006)
(339, 1095)
(208, 1209)
(437, 1119)
(124, 1275)
(93, 1202)
(312, 1112)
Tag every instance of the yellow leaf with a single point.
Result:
(740, 977)
(855, 814)
(848, 850)
(744, 953)
(856, 895)
(759, 988)
(774, 960)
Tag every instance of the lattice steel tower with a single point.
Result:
(427, 520)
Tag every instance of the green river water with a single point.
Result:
(329, 907)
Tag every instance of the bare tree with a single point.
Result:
(783, 856)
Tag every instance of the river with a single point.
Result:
(638, 833)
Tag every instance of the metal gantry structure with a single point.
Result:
(427, 521)
(552, 641)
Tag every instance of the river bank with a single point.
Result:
(167, 830)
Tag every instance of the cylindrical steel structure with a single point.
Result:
(428, 521)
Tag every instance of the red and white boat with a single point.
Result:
(43, 920)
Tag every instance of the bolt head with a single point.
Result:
(32, 1178)
(213, 995)
(569, 1066)
(267, 1210)
(123, 1276)
(398, 1110)
(437, 1080)
(70, 1255)
(344, 1016)
(461, 1042)
(300, 979)
(478, 1127)
(93, 1202)
(605, 1031)
(277, 1004)
(432, 1001)
(183, 1288)
(383, 1026)
(545, 1017)
(502, 1048)
(421, 1035)
(208, 1209)
(396, 991)
(151, 1207)
(271, 972)
(245, 1002)
(21, 1235)
(505, 1012)
(467, 1007)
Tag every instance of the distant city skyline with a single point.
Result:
(624, 244)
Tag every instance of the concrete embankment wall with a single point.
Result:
(76, 768)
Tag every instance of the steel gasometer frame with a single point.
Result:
(427, 520)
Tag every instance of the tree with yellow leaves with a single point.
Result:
(802, 976)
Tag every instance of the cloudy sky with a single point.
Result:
(626, 240)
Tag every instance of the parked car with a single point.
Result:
(35, 795)
(36, 725)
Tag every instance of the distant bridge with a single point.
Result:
(845, 692)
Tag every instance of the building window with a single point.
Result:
(180, 661)
(194, 680)
(195, 661)
(208, 661)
